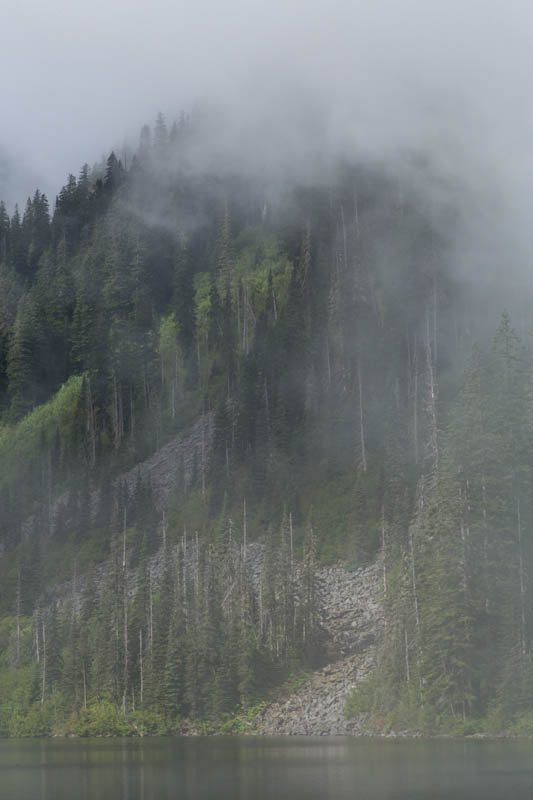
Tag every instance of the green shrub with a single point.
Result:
(103, 719)
(35, 722)
(361, 699)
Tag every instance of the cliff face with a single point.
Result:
(350, 602)
(352, 618)
(175, 466)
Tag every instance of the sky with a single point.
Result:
(378, 79)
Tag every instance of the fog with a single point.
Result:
(294, 82)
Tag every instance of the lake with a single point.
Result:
(246, 768)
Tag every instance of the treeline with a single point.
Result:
(174, 293)
(197, 632)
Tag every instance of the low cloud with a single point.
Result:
(295, 84)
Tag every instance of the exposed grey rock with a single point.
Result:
(350, 606)
(174, 466)
(352, 616)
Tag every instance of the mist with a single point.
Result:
(262, 316)
(295, 86)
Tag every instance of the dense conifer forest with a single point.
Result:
(353, 399)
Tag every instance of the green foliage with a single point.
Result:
(240, 723)
(103, 719)
(321, 349)
(20, 443)
(37, 721)
(361, 699)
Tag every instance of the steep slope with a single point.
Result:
(215, 386)
(351, 609)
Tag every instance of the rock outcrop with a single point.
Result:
(176, 465)
(352, 617)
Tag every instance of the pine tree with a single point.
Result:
(160, 137)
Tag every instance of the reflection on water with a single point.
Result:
(261, 768)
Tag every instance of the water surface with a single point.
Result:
(298, 768)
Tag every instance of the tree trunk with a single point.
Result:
(244, 531)
(384, 552)
(522, 581)
(141, 663)
(43, 688)
(18, 609)
(91, 421)
(361, 418)
(406, 648)
(84, 686)
(432, 388)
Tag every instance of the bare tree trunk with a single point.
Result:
(435, 313)
(416, 608)
(238, 294)
(406, 647)
(246, 312)
(151, 618)
(522, 580)
(384, 551)
(291, 539)
(124, 539)
(196, 568)
(84, 687)
(465, 535)
(415, 404)
(43, 688)
(125, 600)
(49, 487)
(185, 605)
(361, 417)
(120, 413)
(261, 620)
(132, 414)
(432, 386)
(485, 545)
(175, 383)
(141, 666)
(267, 409)
(328, 360)
(274, 304)
(344, 243)
(92, 426)
(125, 691)
(413, 580)
(18, 609)
(199, 360)
(203, 455)
(244, 531)
(115, 412)
(37, 651)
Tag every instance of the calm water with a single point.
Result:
(256, 769)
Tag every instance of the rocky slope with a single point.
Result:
(352, 616)
(174, 466)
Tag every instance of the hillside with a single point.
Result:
(216, 385)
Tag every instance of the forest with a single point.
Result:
(352, 399)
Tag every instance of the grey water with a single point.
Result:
(245, 768)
